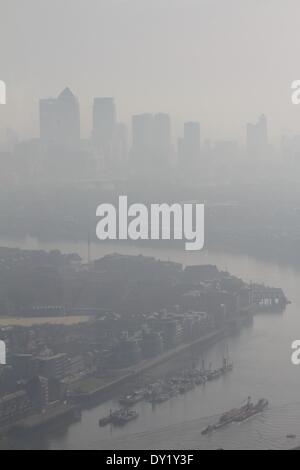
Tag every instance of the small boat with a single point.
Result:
(122, 417)
(213, 375)
(186, 387)
(227, 368)
(200, 380)
(162, 398)
(227, 365)
(208, 430)
(105, 421)
(291, 436)
(133, 399)
(118, 417)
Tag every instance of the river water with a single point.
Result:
(261, 353)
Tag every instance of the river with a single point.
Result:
(261, 353)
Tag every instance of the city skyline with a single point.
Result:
(151, 139)
(148, 148)
(218, 63)
(106, 108)
(177, 126)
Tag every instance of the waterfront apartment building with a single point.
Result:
(53, 367)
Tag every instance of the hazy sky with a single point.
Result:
(221, 62)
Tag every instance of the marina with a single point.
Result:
(178, 384)
(162, 391)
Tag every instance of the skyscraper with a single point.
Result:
(192, 140)
(162, 137)
(257, 138)
(142, 136)
(104, 127)
(60, 120)
(151, 140)
(120, 144)
(189, 146)
(142, 133)
(48, 120)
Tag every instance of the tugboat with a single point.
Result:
(119, 417)
(238, 415)
(214, 374)
(122, 417)
(133, 399)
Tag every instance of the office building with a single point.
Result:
(257, 138)
(189, 147)
(104, 127)
(151, 140)
(60, 120)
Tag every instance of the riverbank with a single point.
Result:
(57, 415)
(133, 373)
(260, 352)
